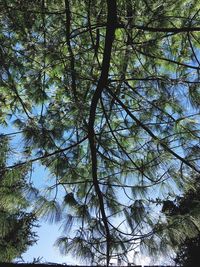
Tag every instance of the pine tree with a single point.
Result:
(106, 96)
(16, 224)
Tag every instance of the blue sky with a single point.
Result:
(45, 248)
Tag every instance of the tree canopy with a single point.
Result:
(105, 94)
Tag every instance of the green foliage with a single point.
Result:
(114, 120)
(185, 210)
(16, 233)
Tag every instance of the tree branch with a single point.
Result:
(110, 32)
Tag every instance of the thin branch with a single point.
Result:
(46, 155)
(162, 29)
